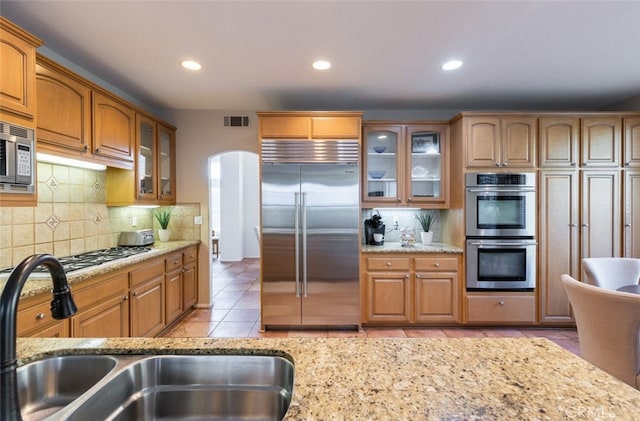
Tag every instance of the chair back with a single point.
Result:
(611, 272)
(608, 328)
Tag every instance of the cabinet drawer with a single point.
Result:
(388, 263)
(190, 255)
(501, 308)
(148, 271)
(35, 316)
(85, 298)
(173, 261)
(442, 264)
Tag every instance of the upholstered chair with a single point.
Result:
(611, 272)
(608, 328)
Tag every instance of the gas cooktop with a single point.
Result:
(88, 259)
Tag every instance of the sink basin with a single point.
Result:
(46, 386)
(193, 387)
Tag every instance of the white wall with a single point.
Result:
(231, 207)
(251, 204)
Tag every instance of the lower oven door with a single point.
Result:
(503, 264)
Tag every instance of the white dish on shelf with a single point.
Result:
(419, 171)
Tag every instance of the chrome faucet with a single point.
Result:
(62, 307)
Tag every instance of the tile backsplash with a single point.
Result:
(71, 217)
(406, 219)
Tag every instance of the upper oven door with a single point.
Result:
(501, 212)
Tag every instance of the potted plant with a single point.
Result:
(163, 217)
(425, 218)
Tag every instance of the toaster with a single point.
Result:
(136, 238)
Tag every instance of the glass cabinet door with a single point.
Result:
(166, 170)
(426, 170)
(382, 148)
(145, 168)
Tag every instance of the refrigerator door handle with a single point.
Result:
(296, 234)
(304, 244)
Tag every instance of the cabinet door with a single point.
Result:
(558, 250)
(113, 128)
(600, 214)
(166, 165)
(559, 142)
(173, 288)
(189, 285)
(483, 142)
(437, 297)
(388, 297)
(147, 308)
(427, 170)
(631, 151)
(64, 111)
(383, 160)
(108, 319)
(335, 127)
(631, 233)
(517, 148)
(146, 171)
(284, 127)
(17, 70)
(601, 141)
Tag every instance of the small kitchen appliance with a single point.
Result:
(136, 238)
(17, 159)
(373, 226)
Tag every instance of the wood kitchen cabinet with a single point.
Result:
(148, 299)
(600, 141)
(113, 128)
(310, 125)
(500, 141)
(173, 287)
(631, 209)
(34, 319)
(559, 142)
(501, 308)
(103, 308)
(189, 277)
(406, 290)
(405, 165)
(631, 142)
(17, 74)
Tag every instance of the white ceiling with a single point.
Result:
(256, 55)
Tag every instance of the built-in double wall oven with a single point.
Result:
(500, 230)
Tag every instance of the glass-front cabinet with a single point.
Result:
(146, 166)
(405, 165)
(166, 164)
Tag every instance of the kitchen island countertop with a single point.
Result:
(389, 247)
(408, 378)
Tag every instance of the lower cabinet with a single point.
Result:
(189, 277)
(503, 308)
(420, 289)
(148, 299)
(34, 319)
(103, 308)
(173, 287)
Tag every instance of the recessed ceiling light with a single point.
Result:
(452, 65)
(321, 65)
(191, 65)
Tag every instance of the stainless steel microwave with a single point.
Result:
(17, 159)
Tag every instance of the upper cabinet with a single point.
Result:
(405, 165)
(500, 141)
(78, 120)
(153, 180)
(310, 125)
(601, 141)
(559, 141)
(17, 74)
(631, 152)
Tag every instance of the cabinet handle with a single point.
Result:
(40, 316)
(501, 303)
(436, 264)
(389, 264)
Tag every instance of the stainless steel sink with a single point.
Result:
(193, 387)
(48, 385)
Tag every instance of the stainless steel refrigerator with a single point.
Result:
(310, 238)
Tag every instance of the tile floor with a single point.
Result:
(236, 313)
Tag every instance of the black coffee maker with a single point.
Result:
(372, 226)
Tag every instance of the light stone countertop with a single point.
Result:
(36, 286)
(417, 248)
(408, 378)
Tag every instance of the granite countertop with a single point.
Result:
(417, 248)
(408, 378)
(36, 286)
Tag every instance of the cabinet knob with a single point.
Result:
(501, 303)
(573, 225)
(125, 298)
(399, 200)
(498, 164)
(436, 264)
(573, 164)
(418, 276)
(40, 316)
(409, 199)
(504, 164)
(86, 148)
(585, 225)
(389, 264)
(626, 164)
(135, 294)
(627, 225)
(97, 150)
(175, 262)
(406, 276)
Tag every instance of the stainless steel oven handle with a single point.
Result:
(493, 190)
(493, 245)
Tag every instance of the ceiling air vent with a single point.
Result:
(236, 121)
